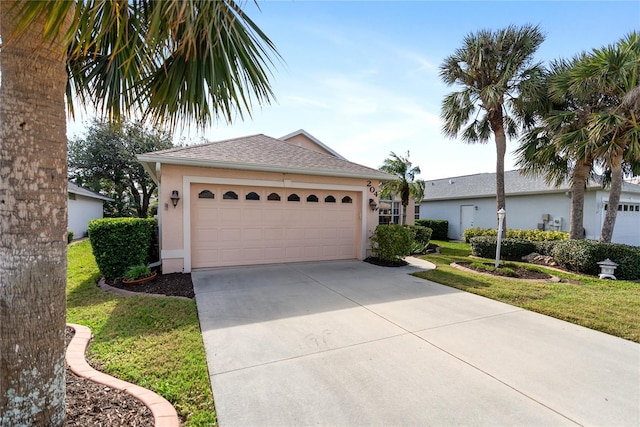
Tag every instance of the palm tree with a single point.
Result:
(613, 71)
(172, 61)
(558, 146)
(493, 68)
(406, 186)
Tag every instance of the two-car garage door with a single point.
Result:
(237, 225)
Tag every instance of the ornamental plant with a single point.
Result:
(136, 272)
(391, 242)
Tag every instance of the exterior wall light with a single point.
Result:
(175, 197)
(373, 205)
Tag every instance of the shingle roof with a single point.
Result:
(484, 185)
(261, 153)
(81, 191)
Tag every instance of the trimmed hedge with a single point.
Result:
(546, 247)
(582, 256)
(439, 227)
(533, 235)
(391, 242)
(511, 249)
(421, 237)
(420, 234)
(119, 243)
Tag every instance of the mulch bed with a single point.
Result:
(173, 284)
(90, 404)
(522, 273)
(385, 263)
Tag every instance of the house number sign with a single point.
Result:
(372, 189)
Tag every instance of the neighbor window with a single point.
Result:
(416, 212)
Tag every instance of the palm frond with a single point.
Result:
(174, 61)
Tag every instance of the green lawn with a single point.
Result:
(604, 305)
(153, 342)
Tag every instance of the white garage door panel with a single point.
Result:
(242, 232)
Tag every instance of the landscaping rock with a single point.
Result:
(536, 258)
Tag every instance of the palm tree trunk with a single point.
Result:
(578, 186)
(501, 148)
(614, 199)
(33, 225)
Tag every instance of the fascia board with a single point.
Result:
(150, 167)
(263, 168)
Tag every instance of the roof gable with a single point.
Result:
(302, 138)
(259, 153)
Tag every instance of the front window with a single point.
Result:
(416, 212)
(389, 212)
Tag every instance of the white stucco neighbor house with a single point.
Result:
(84, 205)
(261, 200)
(469, 201)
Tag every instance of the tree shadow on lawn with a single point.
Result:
(450, 277)
(115, 316)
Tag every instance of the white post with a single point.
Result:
(501, 214)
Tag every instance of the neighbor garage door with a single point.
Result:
(233, 225)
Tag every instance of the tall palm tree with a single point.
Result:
(558, 146)
(172, 61)
(493, 68)
(614, 71)
(405, 186)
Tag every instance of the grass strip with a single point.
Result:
(610, 306)
(153, 342)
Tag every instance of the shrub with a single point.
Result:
(470, 233)
(421, 236)
(533, 235)
(545, 247)
(118, 243)
(136, 272)
(391, 242)
(69, 236)
(439, 227)
(513, 249)
(582, 256)
(418, 248)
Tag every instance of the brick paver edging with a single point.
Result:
(163, 412)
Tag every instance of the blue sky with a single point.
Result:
(362, 76)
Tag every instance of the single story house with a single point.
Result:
(84, 205)
(261, 200)
(470, 201)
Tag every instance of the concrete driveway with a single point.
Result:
(349, 343)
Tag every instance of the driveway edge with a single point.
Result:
(163, 412)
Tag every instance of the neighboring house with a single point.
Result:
(469, 201)
(84, 205)
(261, 200)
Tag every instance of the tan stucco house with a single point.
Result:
(261, 200)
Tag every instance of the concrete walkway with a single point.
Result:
(349, 343)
